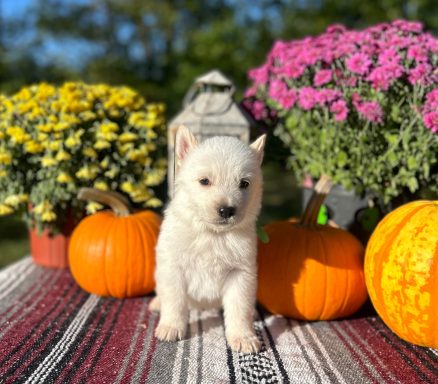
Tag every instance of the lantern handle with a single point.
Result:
(198, 87)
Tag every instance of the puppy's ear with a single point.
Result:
(259, 146)
(184, 143)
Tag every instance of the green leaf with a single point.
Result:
(412, 184)
(262, 235)
(395, 113)
(412, 162)
(391, 138)
(292, 122)
(393, 159)
(342, 158)
(426, 169)
(323, 215)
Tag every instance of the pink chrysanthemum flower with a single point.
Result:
(340, 110)
(417, 52)
(371, 111)
(420, 73)
(322, 77)
(259, 75)
(308, 98)
(358, 63)
(431, 121)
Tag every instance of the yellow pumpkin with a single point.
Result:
(112, 253)
(401, 272)
(309, 271)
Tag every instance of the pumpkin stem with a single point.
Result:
(116, 201)
(321, 190)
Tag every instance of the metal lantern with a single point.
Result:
(208, 110)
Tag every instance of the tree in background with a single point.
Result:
(159, 47)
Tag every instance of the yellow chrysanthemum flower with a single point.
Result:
(45, 91)
(23, 95)
(114, 113)
(33, 147)
(105, 162)
(3, 173)
(111, 173)
(46, 128)
(90, 152)
(127, 187)
(125, 148)
(154, 203)
(48, 216)
(137, 118)
(128, 137)
(108, 127)
(56, 106)
(15, 200)
(17, 134)
(94, 207)
(102, 185)
(136, 155)
(87, 116)
(48, 161)
(64, 178)
(70, 119)
(5, 158)
(151, 134)
(72, 142)
(154, 177)
(108, 136)
(5, 210)
(54, 145)
(88, 172)
(61, 126)
(42, 207)
(140, 195)
(156, 107)
(102, 144)
(36, 113)
(63, 156)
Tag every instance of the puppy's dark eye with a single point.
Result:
(244, 184)
(204, 181)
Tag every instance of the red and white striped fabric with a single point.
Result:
(53, 332)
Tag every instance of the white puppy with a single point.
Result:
(206, 251)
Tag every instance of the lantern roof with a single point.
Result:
(212, 109)
(208, 109)
(214, 77)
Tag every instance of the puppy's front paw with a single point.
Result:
(169, 333)
(245, 344)
(155, 305)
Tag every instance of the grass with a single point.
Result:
(14, 243)
(281, 200)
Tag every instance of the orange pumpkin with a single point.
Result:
(401, 271)
(112, 253)
(309, 271)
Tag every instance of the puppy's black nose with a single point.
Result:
(226, 212)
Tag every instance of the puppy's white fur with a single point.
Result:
(203, 259)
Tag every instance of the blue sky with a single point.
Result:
(13, 8)
(51, 50)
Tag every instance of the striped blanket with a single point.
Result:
(51, 331)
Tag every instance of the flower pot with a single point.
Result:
(349, 211)
(51, 250)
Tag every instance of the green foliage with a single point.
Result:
(383, 159)
(158, 47)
